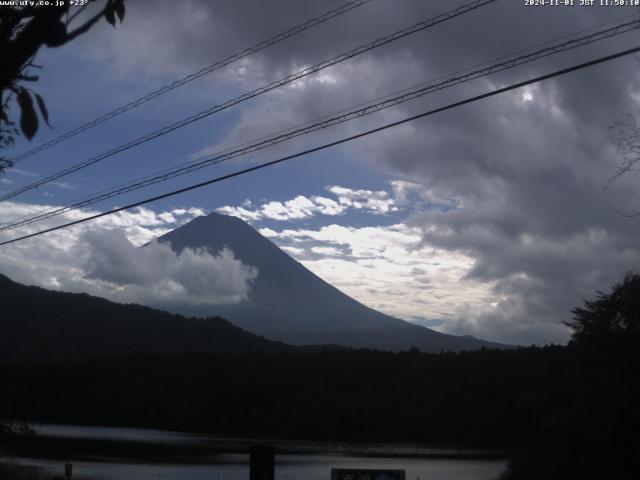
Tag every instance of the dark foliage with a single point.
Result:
(611, 321)
(491, 398)
(598, 434)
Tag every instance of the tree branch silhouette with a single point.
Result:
(23, 31)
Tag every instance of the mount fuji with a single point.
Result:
(289, 303)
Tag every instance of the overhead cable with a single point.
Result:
(332, 144)
(312, 22)
(326, 122)
(254, 93)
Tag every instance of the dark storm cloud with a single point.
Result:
(527, 168)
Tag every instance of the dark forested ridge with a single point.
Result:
(38, 324)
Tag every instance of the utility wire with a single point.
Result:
(246, 96)
(156, 177)
(310, 127)
(326, 122)
(337, 142)
(236, 146)
(312, 22)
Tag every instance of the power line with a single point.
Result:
(70, 205)
(417, 90)
(312, 22)
(334, 143)
(259, 91)
(326, 122)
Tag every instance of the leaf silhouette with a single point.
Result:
(28, 117)
(109, 14)
(119, 8)
(43, 110)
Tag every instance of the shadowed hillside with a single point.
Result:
(39, 324)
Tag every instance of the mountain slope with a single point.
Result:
(289, 303)
(39, 324)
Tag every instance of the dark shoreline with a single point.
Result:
(202, 448)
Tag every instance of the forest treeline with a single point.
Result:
(483, 398)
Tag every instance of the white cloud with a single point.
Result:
(267, 232)
(192, 212)
(156, 275)
(301, 207)
(295, 251)
(298, 208)
(64, 185)
(329, 251)
(372, 201)
(19, 171)
(240, 212)
(327, 206)
(402, 195)
(104, 258)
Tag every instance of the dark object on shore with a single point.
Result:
(262, 462)
(359, 474)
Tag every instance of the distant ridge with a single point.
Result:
(38, 324)
(289, 303)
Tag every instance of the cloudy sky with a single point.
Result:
(491, 219)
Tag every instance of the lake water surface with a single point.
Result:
(302, 460)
